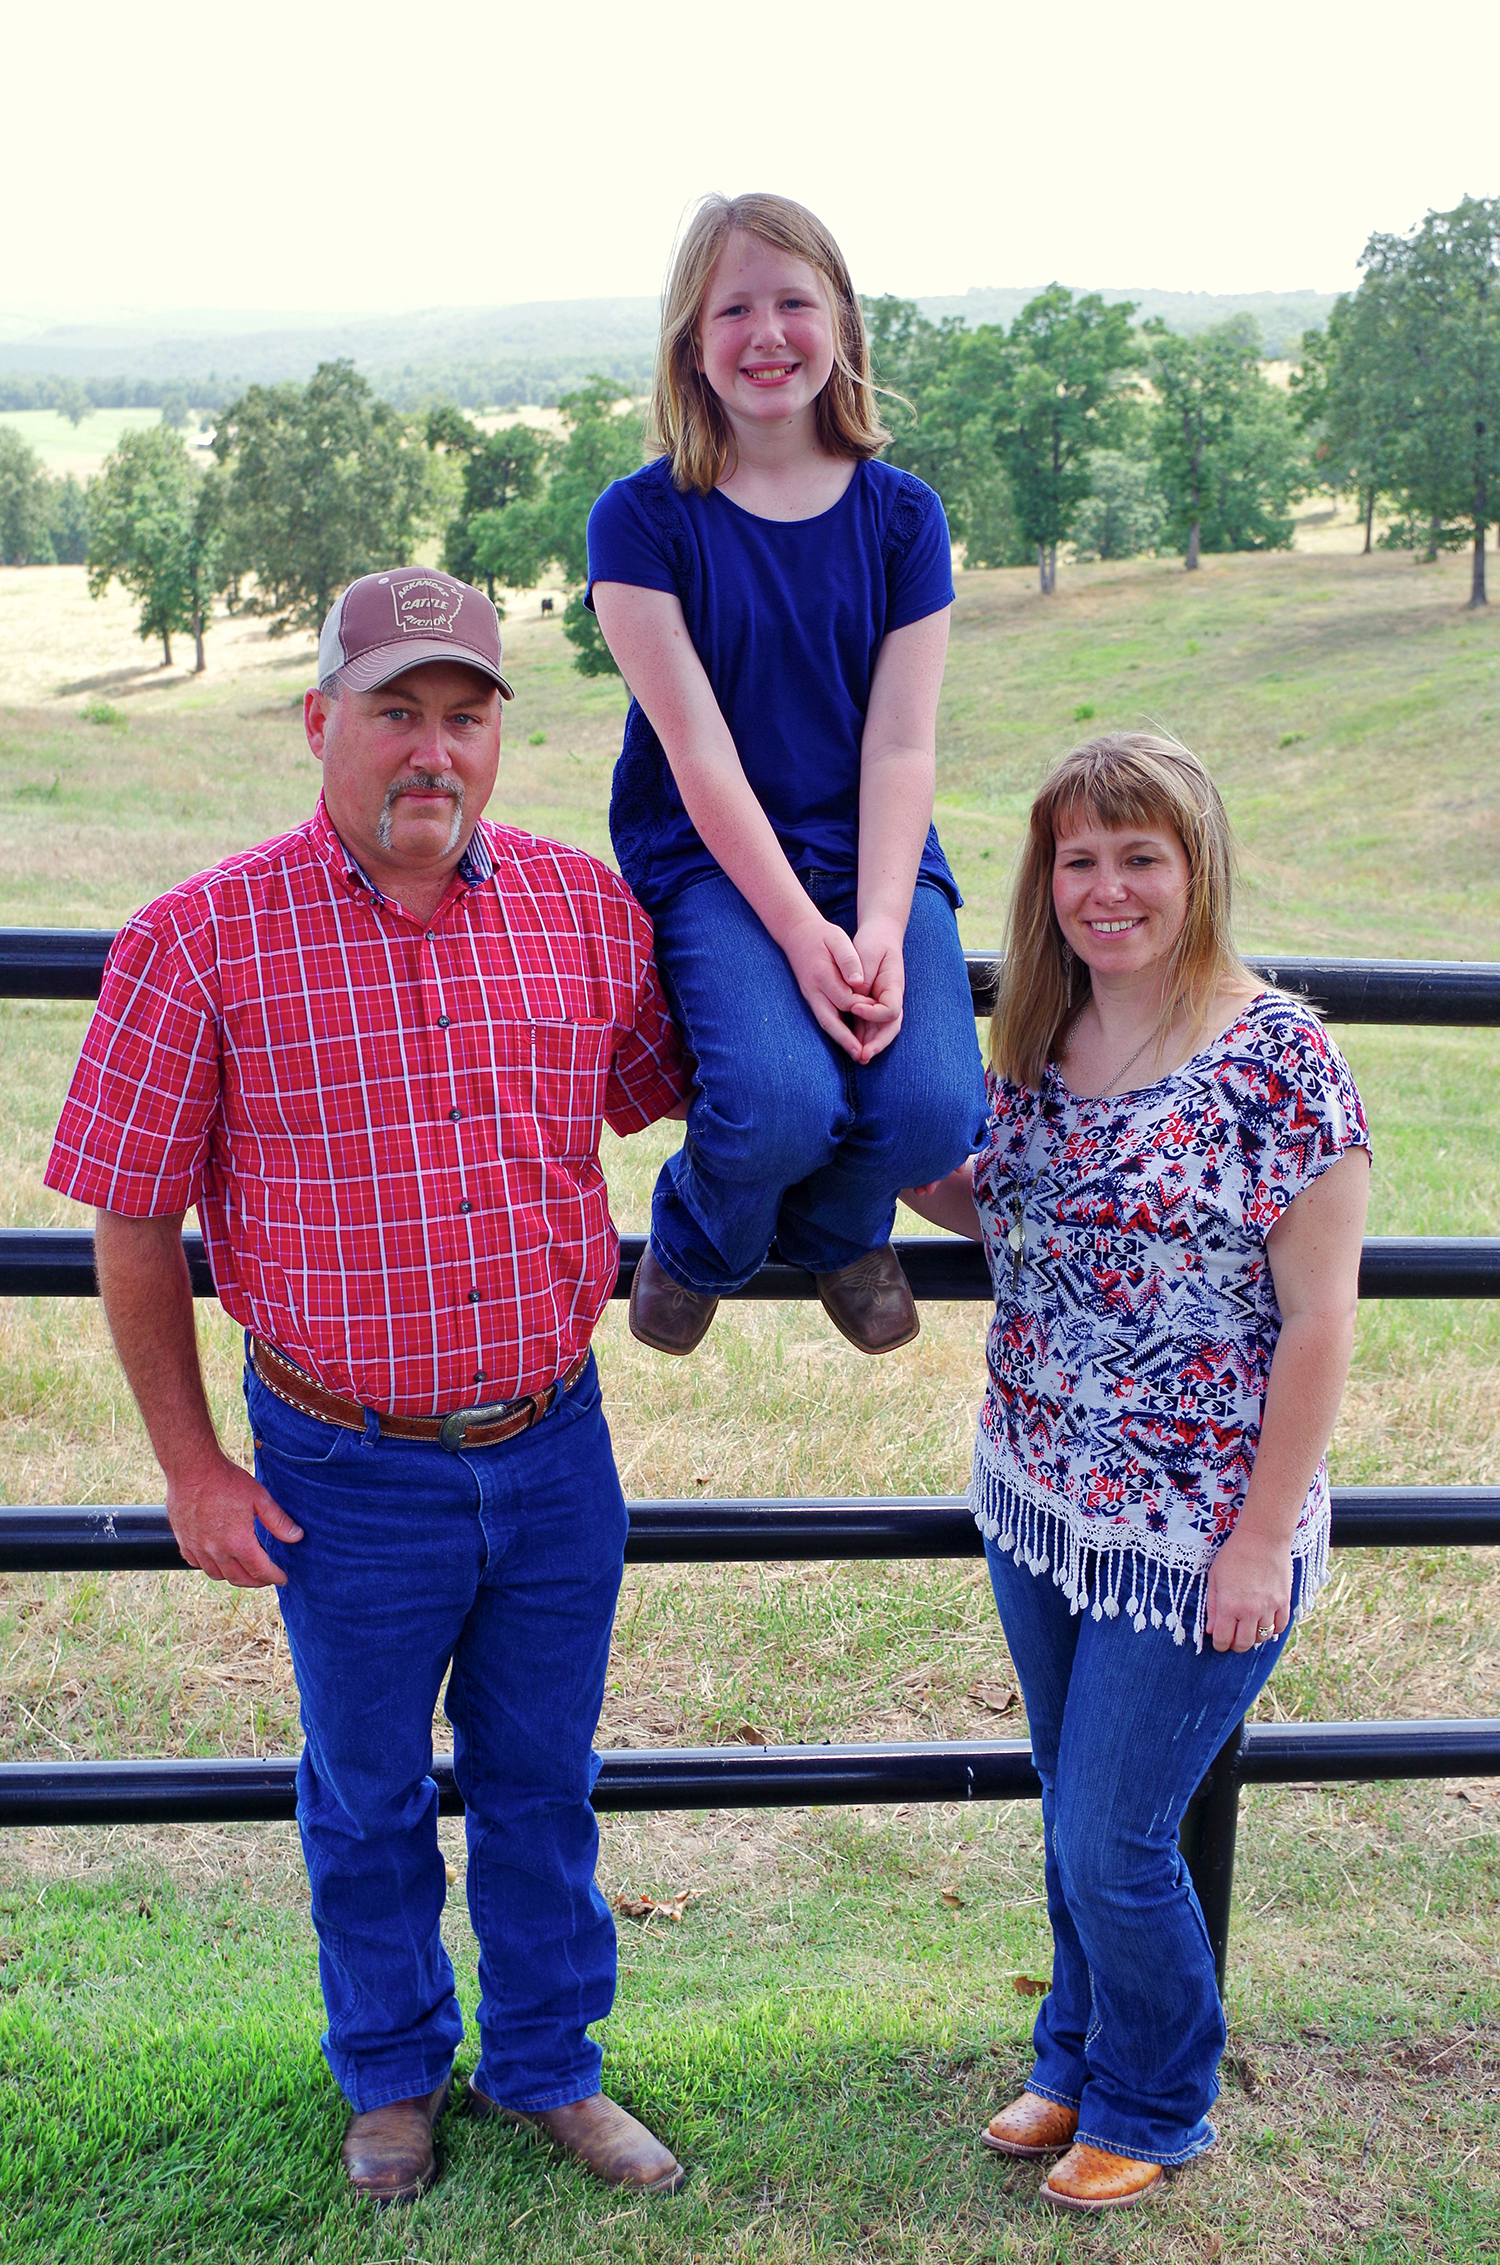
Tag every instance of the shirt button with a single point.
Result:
(479, 1376)
(475, 1296)
(443, 1021)
(429, 938)
(454, 1116)
(464, 1204)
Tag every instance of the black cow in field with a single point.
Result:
(546, 605)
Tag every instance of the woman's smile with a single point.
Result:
(1119, 893)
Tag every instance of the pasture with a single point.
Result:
(835, 2016)
(82, 448)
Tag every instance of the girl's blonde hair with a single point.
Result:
(687, 421)
(1129, 778)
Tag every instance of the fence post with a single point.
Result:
(1207, 1838)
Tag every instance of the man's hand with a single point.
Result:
(882, 963)
(830, 976)
(148, 1303)
(213, 1509)
(1249, 1591)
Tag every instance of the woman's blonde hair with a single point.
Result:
(687, 420)
(1131, 778)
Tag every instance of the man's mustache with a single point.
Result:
(421, 782)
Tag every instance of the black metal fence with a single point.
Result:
(67, 963)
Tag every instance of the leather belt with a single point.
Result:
(466, 1427)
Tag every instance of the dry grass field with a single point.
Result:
(823, 2025)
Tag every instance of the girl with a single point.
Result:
(777, 600)
(1171, 1198)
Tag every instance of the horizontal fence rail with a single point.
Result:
(58, 1262)
(735, 1530)
(744, 1777)
(67, 963)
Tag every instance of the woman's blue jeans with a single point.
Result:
(506, 1562)
(787, 1137)
(1123, 1728)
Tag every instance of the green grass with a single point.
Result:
(65, 448)
(823, 2034)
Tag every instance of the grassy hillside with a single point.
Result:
(832, 2021)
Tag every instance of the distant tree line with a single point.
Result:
(76, 397)
(42, 520)
(1070, 428)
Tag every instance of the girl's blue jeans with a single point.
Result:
(504, 1561)
(787, 1137)
(1123, 1728)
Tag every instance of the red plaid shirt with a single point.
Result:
(390, 1127)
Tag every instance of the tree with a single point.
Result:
(1063, 400)
(67, 521)
(516, 542)
(1350, 401)
(1441, 355)
(943, 390)
(499, 470)
(70, 401)
(1225, 441)
(326, 484)
(153, 529)
(1122, 515)
(174, 408)
(23, 502)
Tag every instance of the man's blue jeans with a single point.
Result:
(787, 1137)
(505, 1561)
(1123, 1728)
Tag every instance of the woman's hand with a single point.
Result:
(878, 943)
(1249, 1591)
(830, 976)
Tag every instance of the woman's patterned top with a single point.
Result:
(1134, 1326)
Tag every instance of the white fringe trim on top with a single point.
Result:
(1166, 1579)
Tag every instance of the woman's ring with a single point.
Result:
(1264, 1635)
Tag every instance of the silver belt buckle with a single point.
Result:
(452, 1429)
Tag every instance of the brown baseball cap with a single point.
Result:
(387, 623)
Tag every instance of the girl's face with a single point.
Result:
(765, 335)
(1120, 893)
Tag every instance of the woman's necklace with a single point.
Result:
(1016, 1237)
(1128, 1064)
(1024, 1185)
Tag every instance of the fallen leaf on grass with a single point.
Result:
(1028, 1986)
(998, 1697)
(648, 1907)
(452, 1875)
(954, 1902)
(748, 1735)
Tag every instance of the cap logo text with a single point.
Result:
(426, 607)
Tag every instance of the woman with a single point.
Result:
(1171, 1199)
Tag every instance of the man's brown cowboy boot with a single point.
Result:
(871, 1302)
(663, 1314)
(1032, 2127)
(603, 2137)
(1089, 2178)
(388, 2152)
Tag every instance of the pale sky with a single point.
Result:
(419, 153)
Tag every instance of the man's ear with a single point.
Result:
(315, 721)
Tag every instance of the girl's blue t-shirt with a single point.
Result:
(787, 617)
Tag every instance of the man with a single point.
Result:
(376, 1054)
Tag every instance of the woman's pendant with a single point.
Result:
(1017, 1240)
